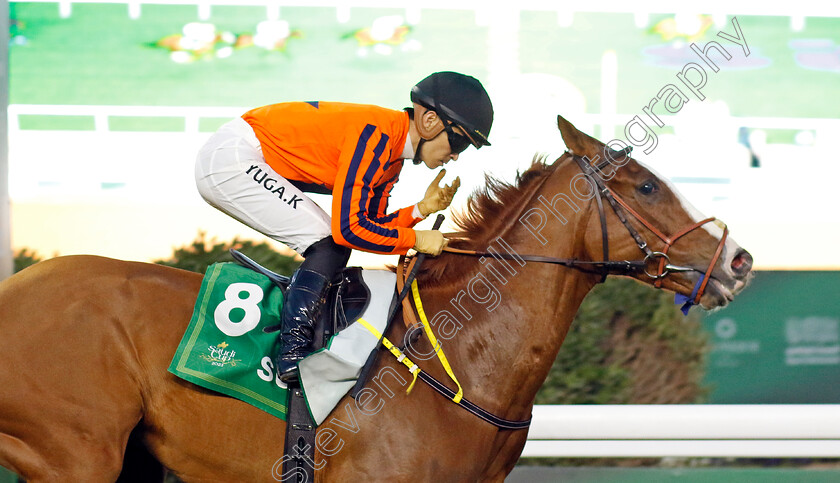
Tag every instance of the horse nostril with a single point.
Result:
(742, 263)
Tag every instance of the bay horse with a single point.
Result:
(87, 340)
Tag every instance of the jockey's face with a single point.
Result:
(437, 151)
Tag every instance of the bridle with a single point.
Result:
(606, 266)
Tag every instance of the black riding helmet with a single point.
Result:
(459, 99)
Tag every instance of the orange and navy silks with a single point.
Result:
(353, 150)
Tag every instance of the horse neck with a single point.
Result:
(511, 318)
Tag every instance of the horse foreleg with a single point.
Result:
(59, 428)
(15, 455)
(88, 461)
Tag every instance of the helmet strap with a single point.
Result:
(425, 135)
(417, 159)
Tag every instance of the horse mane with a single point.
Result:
(490, 211)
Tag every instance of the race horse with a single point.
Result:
(87, 340)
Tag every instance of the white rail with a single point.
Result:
(824, 128)
(101, 114)
(751, 430)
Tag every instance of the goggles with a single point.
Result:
(457, 142)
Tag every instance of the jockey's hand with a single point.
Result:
(438, 197)
(430, 241)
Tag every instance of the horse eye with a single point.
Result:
(648, 188)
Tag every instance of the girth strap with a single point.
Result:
(299, 448)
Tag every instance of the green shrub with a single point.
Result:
(24, 258)
(629, 344)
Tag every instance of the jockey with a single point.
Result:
(256, 169)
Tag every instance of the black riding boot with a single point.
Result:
(305, 299)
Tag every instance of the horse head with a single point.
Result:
(636, 214)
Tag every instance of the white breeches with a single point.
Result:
(232, 175)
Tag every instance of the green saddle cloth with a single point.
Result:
(224, 349)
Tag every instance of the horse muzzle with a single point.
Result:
(732, 275)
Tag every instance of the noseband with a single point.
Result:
(621, 208)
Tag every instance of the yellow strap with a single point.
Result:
(412, 367)
(431, 335)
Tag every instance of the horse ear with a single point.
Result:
(580, 143)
